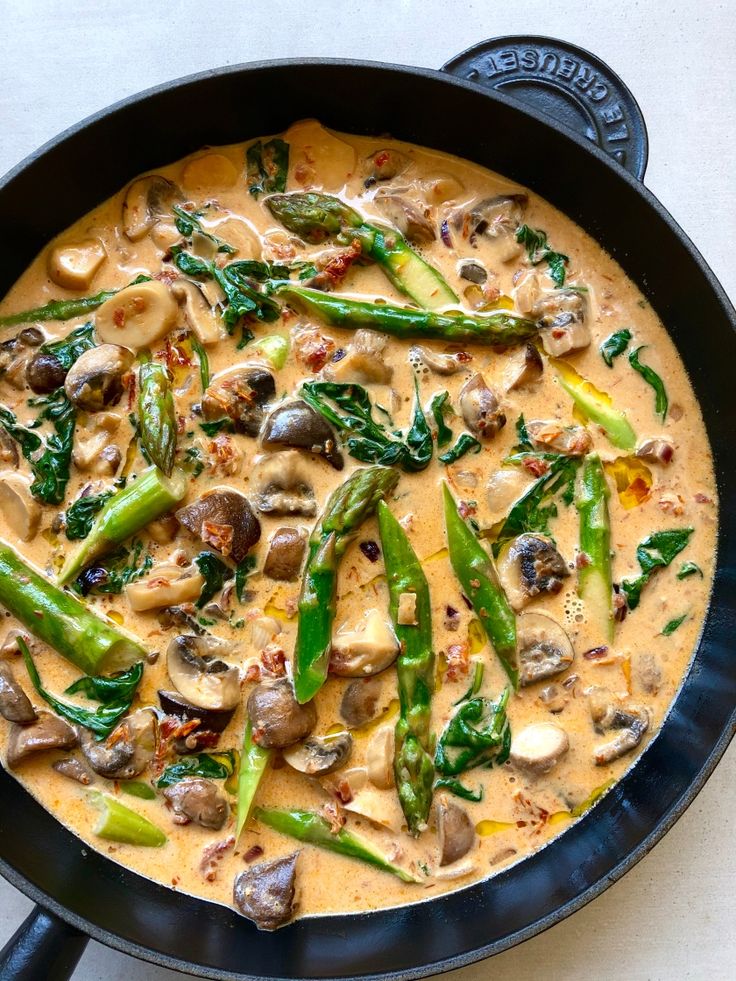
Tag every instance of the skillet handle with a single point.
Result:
(570, 85)
(43, 948)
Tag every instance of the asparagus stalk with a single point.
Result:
(58, 309)
(347, 508)
(130, 509)
(315, 217)
(119, 823)
(254, 761)
(314, 830)
(156, 414)
(404, 322)
(595, 581)
(413, 764)
(61, 621)
(477, 576)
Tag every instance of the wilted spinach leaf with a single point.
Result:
(267, 166)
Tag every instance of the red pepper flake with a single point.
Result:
(274, 660)
(253, 673)
(254, 852)
(582, 560)
(343, 791)
(458, 661)
(703, 499)
(535, 466)
(595, 653)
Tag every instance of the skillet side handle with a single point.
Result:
(43, 948)
(571, 86)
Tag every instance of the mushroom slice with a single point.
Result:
(240, 395)
(95, 380)
(212, 720)
(384, 165)
(361, 701)
(442, 363)
(201, 319)
(15, 706)
(224, 520)
(497, 219)
(284, 485)
(480, 408)
(74, 265)
(128, 749)
(364, 361)
(503, 488)
(208, 171)
(320, 754)
(137, 316)
(264, 893)
(198, 800)
(380, 806)
(656, 451)
(526, 369)
(379, 758)
(455, 830)
(21, 512)
(277, 718)
(167, 584)
(47, 732)
(407, 216)
(298, 425)
(539, 747)
(610, 714)
(531, 566)
(549, 434)
(72, 769)
(146, 201)
(544, 648)
(199, 673)
(285, 554)
(366, 649)
(561, 315)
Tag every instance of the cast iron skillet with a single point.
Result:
(80, 892)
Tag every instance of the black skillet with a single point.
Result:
(519, 113)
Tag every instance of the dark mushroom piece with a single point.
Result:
(473, 272)
(240, 396)
(285, 554)
(14, 355)
(561, 315)
(544, 649)
(277, 718)
(210, 719)
(441, 362)
(539, 747)
(148, 200)
(47, 732)
(364, 360)
(198, 800)
(199, 673)
(407, 217)
(527, 369)
(224, 520)
(15, 706)
(367, 649)
(283, 485)
(531, 566)
(319, 755)
(497, 219)
(181, 615)
(361, 701)
(656, 451)
(628, 722)
(45, 373)
(95, 380)
(480, 408)
(72, 769)
(455, 830)
(383, 165)
(128, 749)
(264, 893)
(298, 425)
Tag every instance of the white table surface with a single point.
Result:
(672, 917)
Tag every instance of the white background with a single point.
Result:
(673, 917)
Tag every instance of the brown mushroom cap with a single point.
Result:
(95, 380)
(200, 801)
(240, 396)
(277, 718)
(45, 373)
(264, 893)
(544, 648)
(128, 749)
(285, 554)
(197, 670)
(455, 831)
(224, 520)
(15, 706)
(47, 732)
(299, 425)
(480, 408)
(319, 755)
(214, 720)
(361, 701)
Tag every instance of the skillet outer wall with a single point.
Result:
(72, 174)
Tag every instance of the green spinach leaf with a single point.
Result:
(121, 568)
(538, 250)
(459, 790)
(689, 569)
(213, 766)
(661, 402)
(657, 551)
(614, 345)
(267, 166)
(214, 572)
(439, 405)
(80, 515)
(478, 734)
(535, 508)
(671, 627)
(465, 442)
(188, 222)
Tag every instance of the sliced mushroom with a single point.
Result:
(381, 807)
(366, 649)
(197, 670)
(199, 800)
(455, 830)
(384, 165)
(531, 566)
(539, 747)
(610, 714)
(14, 357)
(95, 380)
(497, 219)
(96, 454)
(137, 316)
(45, 373)
(320, 754)
(364, 360)
(224, 520)
(472, 271)
(240, 395)
(201, 319)
(211, 720)
(20, 510)
(285, 554)
(264, 893)
(561, 315)
(526, 369)
(47, 732)
(146, 201)
(209, 170)
(361, 701)
(75, 265)
(298, 425)
(128, 749)
(277, 718)
(503, 488)
(442, 363)
(15, 706)
(284, 487)
(72, 769)
(407, 216)
(549, 434)
(166, 585)
(656, 451)
(480, 408)
(648, 673)
(544, 648)
(379, 758)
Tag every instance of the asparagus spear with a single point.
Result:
(313, 829)
(253, 763)
(315, 217)
(595, 578)
(413, 764)
(61, 621)
(119, 823)
(404, 322)
(347, 508)
(58, 309)
(156, 413)
(130, 509)
(477, 576)
(597, 406)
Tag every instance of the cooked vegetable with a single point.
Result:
(672, 625)
(188, 222)
(138, 503)
(314, 830)
(147, 201)
(212, 766)
(478, 734)
(267, 166)
(319, 755)
(46, 732)
(15, 705)
(277, 718)
(58, 309)
(156, 414)
(264, 893)
(689, 569)
(80, 515)
(455, 831)
(656, 552)
(95, 380)
(137, 316)
(475, 572)
(465, 443)
(199, 800)
(539, 747)
(297, 424)
(127, 750)
(214, 573)
(223, 519)
(21, 513)
(50, 467)
(121, 568)
(346, 509)
(197, 669)
(595, 584)
(47, 369)
(650, 376)
(614, 345)
(413, 766)
(120, 823)
(480, 408)
(537, 248)
(531, 566)
(285, 554)
(597, 407)
(610, 714)
(254, 760)
(544, 648)
(241, 397)
(368, 649)
(61, 621)
(440, 405)
(495, 329)
(283, 483)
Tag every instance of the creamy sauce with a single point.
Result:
(519, 812)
